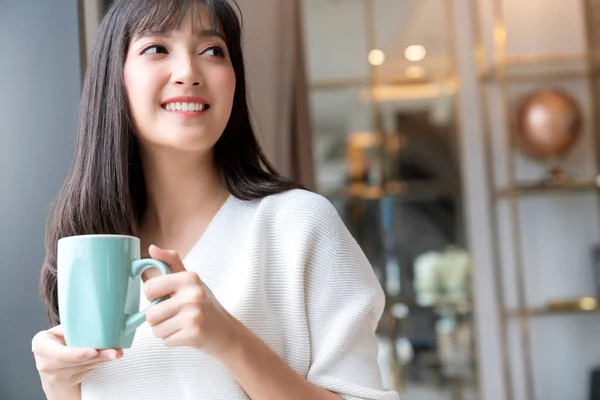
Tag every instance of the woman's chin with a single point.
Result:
(189, 146)
(182, 143)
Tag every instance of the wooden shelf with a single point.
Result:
(388, 81)
(542, 68)
(533, 312)
(541, 188)
(527, 76)
(583, 306)
(408, 190)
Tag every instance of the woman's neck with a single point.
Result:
(180, 190)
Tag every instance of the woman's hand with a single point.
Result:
(62, 368)
(192, 316)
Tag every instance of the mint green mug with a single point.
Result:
(99, 280)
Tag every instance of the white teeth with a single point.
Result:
(185, 106)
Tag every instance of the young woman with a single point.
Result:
(271, 298)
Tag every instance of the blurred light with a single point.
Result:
(415, 53)
(588, 303)
(376, 57)
(400, 310)
(415, 71)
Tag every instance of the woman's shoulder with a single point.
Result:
(293, 212)
(298, 206)
(294, 196)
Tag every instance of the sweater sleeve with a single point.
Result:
(344, 304)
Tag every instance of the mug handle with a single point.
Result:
(132, 322)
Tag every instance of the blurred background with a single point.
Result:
(458, 139)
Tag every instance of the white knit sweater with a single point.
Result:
(287, 267)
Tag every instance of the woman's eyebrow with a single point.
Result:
(211, 33)
(202, 33)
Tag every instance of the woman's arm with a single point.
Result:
(264, 375)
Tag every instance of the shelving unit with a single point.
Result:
(379, 201)
(531, 70)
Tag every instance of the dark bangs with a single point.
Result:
(164, 16)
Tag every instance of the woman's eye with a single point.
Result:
(155, 49)
(215, 51)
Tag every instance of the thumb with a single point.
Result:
(169, 257)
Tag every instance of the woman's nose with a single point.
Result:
(182, 83)
(186, 74)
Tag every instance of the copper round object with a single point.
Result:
(548, 124)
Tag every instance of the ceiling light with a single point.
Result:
(415, 53)
(376, 57)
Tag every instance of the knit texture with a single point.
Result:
(287, 267)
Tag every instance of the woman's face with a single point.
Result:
(180, 86)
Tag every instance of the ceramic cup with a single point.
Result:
(99, 282)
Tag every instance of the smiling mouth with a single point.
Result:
(187, 107)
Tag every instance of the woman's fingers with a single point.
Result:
(74, 376)
(56, 362)
(52, 354)
(50, 344)
(73, 370)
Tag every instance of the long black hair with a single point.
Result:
(104, 191)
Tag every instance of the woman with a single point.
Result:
(273, 299)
